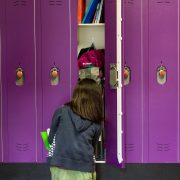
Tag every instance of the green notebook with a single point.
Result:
(44, 136)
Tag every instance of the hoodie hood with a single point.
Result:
(79, 123)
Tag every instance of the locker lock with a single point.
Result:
(54, 76)
(19, 76)
(161, 75)
(54, 73)
(127, 75)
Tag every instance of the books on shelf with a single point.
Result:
(81, 10)
(94, 12)
(99, 18)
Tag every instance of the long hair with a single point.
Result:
(87, 100)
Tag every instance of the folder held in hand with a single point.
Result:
(44, 136)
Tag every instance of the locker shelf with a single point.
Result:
(91, 24)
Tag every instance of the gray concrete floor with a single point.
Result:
(104, 172)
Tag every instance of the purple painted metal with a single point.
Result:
(163, 99)
(39, 101)
(152, 110)
(56, 44)
(19, 122)
(133, 92)
(1, 19)
(110, 95)
(74, 67)
(4, 85)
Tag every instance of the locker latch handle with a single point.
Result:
(54, 76)
(19, 76)
(113, 80)
(127, 75)
(161, 75)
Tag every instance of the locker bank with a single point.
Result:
(39, 41)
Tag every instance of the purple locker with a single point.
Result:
(133, 97)
(151, 40)
(1, 140)
(19, 114)
(58, 49)
(164, 99)
(110, 94)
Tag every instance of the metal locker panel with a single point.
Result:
(19, 119)
(1, 22)
(111, 94)
(39, 101)
(133, 97)
(56, 45)
(163, 99)
(74, 67)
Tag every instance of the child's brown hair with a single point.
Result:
(87, 100)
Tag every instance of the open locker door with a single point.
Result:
(113, 85)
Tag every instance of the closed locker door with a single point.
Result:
(57, 51)
(19, 115)
(1, 141)
(164, 89)
(133, 97)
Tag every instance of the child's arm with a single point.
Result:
(96, 136)
(55, 122)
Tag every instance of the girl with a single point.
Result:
(77, 126)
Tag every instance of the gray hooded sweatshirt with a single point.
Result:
(75, 140)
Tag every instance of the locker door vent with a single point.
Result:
(163, 147)
(20, 3)
(130, 2)
(163, 2)
(111, 1)
(22, 147)
(55, 2)
(129, 147)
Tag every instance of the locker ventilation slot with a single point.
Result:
(163, 147)
(111, 1)
(166, 2)
(20, 3)
(129, 147)
(55, 2)
(22, 147)
(130, 2)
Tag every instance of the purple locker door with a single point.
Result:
(58, 30)
(19, 119)
(132, 58)
(1, 141)
(111, 94)
(164, 99)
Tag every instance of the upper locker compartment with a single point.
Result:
(164, 81)
(57, 66)
(19, 114)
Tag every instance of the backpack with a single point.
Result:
(92, 58)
